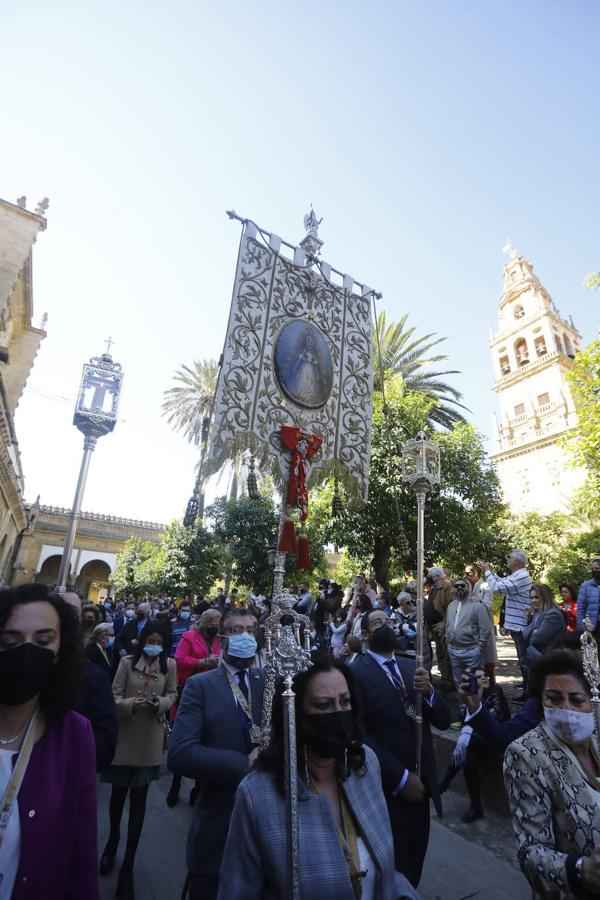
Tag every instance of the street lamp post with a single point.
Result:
(421, 470)
(95, 415)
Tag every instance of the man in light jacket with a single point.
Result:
(468, 631)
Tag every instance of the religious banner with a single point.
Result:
(297, 365)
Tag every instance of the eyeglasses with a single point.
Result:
(240, 629)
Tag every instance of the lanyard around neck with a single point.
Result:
(18, 774)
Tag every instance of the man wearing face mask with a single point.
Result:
(180, 624)
(128, 639)
(588, 601)
(388, 687)
(468, 631)
(214, 740)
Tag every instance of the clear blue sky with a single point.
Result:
(425, 134)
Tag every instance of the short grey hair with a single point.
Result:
(403, 596)
(520, 555)
(435, 570)
(100, 629)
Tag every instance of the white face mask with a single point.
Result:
(570, 726)
(129, 613)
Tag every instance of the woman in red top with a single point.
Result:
(569, 606)
(198, 651)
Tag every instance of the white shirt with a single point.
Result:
(516, 588)
(10, 849)
(368, 883)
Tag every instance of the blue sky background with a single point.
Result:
(425, 134)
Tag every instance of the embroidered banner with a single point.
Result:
(298, 351)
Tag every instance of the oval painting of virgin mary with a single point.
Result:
(303, 364)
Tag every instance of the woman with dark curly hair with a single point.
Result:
(145, 688)
(47, 756)
(346, 848)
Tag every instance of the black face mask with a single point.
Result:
(24, 670)
(595, 575)
(328, 734)
(212, 631)
(383, 639)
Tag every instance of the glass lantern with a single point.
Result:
(421, 462)
(97, 405)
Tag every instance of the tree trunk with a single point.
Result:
(381, 562)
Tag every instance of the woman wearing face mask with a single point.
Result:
(345, 837)
(47, 757)
(552, 776)
(144, 689)
(199, 648)
(90, 617)
(99, 650)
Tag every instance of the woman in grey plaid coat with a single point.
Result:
(346, 848)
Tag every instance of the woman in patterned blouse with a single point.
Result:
(552, 776)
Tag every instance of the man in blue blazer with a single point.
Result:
(214, 742)
(387, 687)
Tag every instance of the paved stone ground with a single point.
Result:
(463, 861)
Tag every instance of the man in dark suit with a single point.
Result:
(215, 741)
(387, 687)
(128, 639)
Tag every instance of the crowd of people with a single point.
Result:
(108, 690)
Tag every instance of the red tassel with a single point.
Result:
(303, 552)
(288, 542)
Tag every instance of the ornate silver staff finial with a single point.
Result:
(591, 668)
(311, 243)
(285, 658)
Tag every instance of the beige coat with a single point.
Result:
(141, 729)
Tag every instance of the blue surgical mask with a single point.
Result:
(184, 615)
(153, 649)
(110, 641)
(243, 646)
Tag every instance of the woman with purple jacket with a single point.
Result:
(47, 756)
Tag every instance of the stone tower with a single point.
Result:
(532, 352)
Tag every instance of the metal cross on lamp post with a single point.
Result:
(421, 470)
(95, 415)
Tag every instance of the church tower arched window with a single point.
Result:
(521, 352)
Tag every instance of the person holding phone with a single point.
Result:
(145, 688)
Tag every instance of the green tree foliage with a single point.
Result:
(406, 357)
(460, 519)
(187, 560)
(573, 564)
(592, 281)
(189, 403)
(543, 538)
(131, 559)
(584, 443)
(246, 529)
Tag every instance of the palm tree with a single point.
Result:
(404, 355)
(187, 405)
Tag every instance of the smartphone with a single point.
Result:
(473, 684)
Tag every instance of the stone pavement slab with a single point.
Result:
(463, 862)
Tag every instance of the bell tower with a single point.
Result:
(532, 351)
